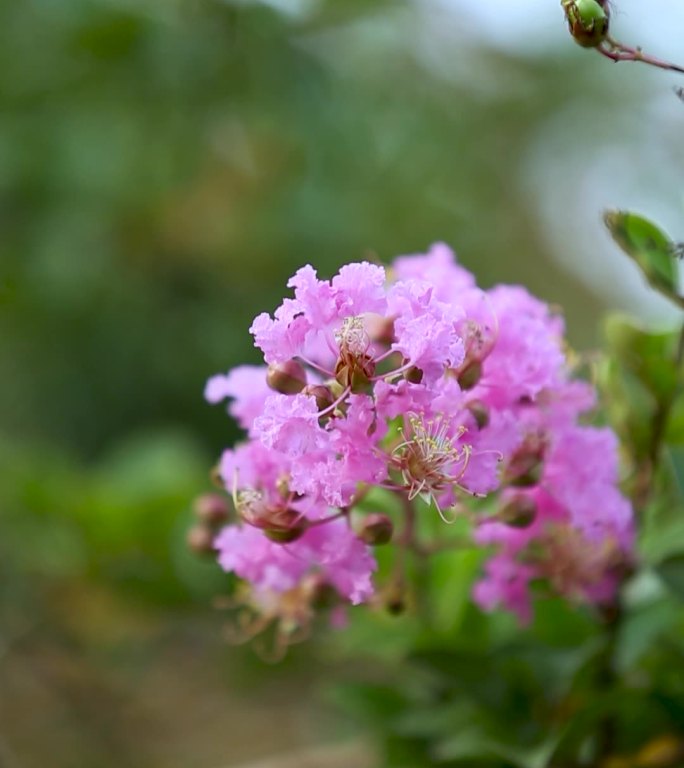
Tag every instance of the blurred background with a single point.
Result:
(165, 166)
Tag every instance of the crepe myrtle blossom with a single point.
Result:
(412, 382)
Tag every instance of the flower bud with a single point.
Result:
(200, 539)
(288, 378)
(479, 412)
(376, 529)
(527, 463)
(414, 375)
(279, 523)
(356, 373)
(519, 512)
(322, 594)
(211, 508)
(284, 526)
(395, 603)
(587, 20)
(469, 374)
(324, 397)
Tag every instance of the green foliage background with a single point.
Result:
(165, 166)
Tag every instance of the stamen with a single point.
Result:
(352, 337)
(429, 461)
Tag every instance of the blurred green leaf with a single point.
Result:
(473, 744)
(640, 631)
(671, 571)
(628, 404)
(674, 432)
(649, 247)
(648, 355)
(452, 574)
(676, 457)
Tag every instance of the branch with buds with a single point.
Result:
(589, 25)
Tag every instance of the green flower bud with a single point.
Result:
(414, 375)
(376, 529)
(285, 526)
(479, 412)
(323, 595)
(527, 463)
(470, 374)
(529, 478)
(395, 604)
(587, 20)
(286, 378)
(356, 373)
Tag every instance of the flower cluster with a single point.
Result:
(414, 380)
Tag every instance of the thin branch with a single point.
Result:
(616, 51)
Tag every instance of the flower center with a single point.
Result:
(428, 459)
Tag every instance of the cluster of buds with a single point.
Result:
(414, 381)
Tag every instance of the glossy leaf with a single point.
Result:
(649, 247)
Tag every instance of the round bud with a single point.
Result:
(395, 605)
(519, 512)
(284, 535)
(527, 463)
(479, 412)
(323, 594)
(284, 526)
(324, 397)
(414, 375)
(376, 529)
(587, 20)
(200, 539)
(211, 508)
(287, 378)
(470, 374)
(525, 473)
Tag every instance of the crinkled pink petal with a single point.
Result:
(247, 386)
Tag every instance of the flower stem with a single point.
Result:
(616, 51)
(613, 613)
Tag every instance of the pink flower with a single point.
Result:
(246, 385)
(418, 382)
(289, 424)
(426, 329)
(331, 550)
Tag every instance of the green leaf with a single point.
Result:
(472, 744)
(675, 455)
(451, 579)
(649, 356)
(671, 571)
(649, 247)
(628, 404)
(641, 630)
(674, 434)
